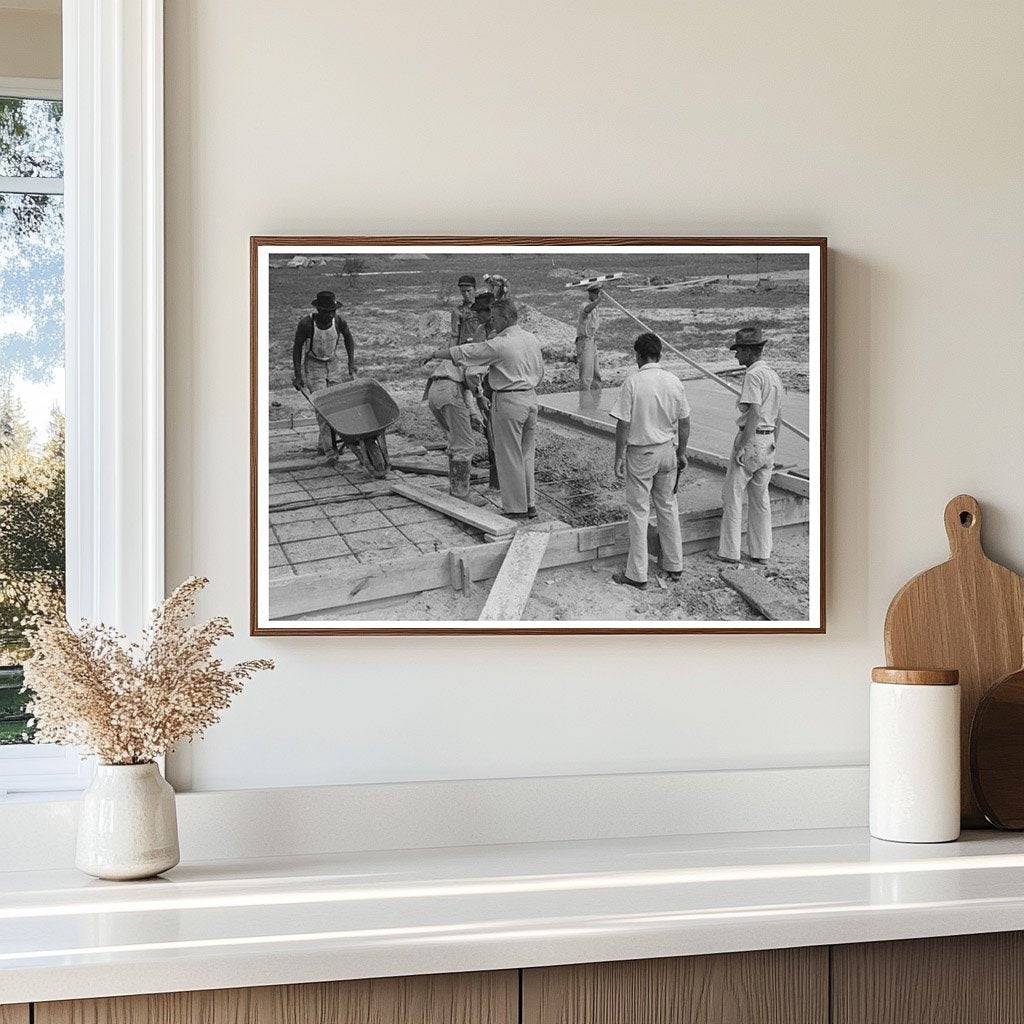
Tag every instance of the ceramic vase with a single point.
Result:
(127, 825)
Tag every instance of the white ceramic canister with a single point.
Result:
(127, 824)
(915, 755)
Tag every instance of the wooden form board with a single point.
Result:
(761, 594)
(298, 596)
(426, 469)
(481, 519)
(511, 588)
(477, 998)
(772, 986)
(14, 1013)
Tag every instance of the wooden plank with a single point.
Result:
(293, 597)
(477, 998)
(960, 979)
(783, 481)
(426, 469)
(14, 1013)
(761, 594)
(294, 465)
(773, 986)
(480, 518)
(511, 588)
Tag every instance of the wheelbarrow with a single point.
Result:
(359, 413)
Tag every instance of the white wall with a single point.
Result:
(895, 129)
(30, 40)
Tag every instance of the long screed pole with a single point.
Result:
(693, 362)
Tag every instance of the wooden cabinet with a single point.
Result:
(971, 979)
(963, 979)
(777, 986)
(490, 998)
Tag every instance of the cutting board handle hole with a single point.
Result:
(966, 519)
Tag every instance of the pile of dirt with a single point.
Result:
(556, 337)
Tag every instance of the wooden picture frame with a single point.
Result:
(468, 567)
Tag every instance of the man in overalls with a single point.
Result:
(315, 354)
(752, 461)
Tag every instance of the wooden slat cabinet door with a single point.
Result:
(14, 1013)
(480, 998)
(961, 979)
(778, 986)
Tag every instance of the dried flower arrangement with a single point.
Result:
(130, 703)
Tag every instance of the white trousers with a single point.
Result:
(650, 479)
(514, 429)
(320, 374)
(748, 479)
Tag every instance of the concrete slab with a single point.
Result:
(713, 420)
(311, 550)
(305, 529)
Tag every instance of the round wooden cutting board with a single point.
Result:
(967, 614)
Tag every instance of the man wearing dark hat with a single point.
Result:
(753, 453)
(315, 354)
(587, 322)
(464, 321)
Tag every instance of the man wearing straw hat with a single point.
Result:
(315, 354)
(753, 453)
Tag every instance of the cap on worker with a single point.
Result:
(325, 300)
(483, 302)
(748, 337)
(467, 279)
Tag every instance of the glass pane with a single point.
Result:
(31, 138)
(31, 432)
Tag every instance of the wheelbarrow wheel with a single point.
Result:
(377, 463)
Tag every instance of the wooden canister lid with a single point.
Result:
(916, 676)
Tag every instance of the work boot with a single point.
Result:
(458, 478)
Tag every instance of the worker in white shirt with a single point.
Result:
(752, 461)
(651, 435)
(515, 367)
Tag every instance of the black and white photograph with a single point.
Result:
(575, 435)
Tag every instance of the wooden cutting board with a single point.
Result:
(967, 614)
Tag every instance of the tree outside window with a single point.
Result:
(32, 555)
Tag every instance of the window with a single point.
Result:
(32, 548)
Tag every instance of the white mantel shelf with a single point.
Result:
(267, 922)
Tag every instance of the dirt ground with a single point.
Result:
(398, 312)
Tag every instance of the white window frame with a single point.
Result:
(114, 333)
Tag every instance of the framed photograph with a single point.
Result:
(537, 435)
